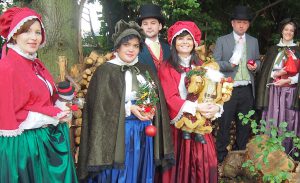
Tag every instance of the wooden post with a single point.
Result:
(62, 64)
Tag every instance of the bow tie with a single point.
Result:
(134, 71)
(185, 69)
(132, 68)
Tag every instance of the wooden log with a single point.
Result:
(85, 76)
(84, 83)
(78, 132)
(89, 78)
(94, 55)
(77, 140)
(75, 71)
(109, 56)
(101, 60)
(89, 61)
(78, 121)
(79, 95)
(278, 160)
(77, 114)
(88, 71)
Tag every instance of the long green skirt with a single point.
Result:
(37, 156)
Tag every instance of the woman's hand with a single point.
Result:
(282, 82)
(279, 73)
(136, 110)
(208, 110)
(63, 116)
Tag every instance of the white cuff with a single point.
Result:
(189, 107)
(218, 114)
(294, 79)
(272, 74)
(127, 108)
(37, 120)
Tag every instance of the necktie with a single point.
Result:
(241, 40)
(155, 48)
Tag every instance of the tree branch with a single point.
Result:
(92, 29)
(263, 9)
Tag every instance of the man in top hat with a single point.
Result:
(154, 51)
(237, 54)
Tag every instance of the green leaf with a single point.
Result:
(251, 112)
(252, 168)
(259, 167)
(245, 121)
(241, 116)
(290, 165)
(283, 125)
(255, 131)
(273, 132)
(253, 125)
(263, 129)
(244, 165)
(263, 122)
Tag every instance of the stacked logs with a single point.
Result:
(90, 65)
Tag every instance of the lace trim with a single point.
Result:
(179, 115)
(20, 52)
(11, 133)
(118, 61)
(289, 43)
(19, 25)
(180, 31)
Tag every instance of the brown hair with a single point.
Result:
(23, 29)
(287, 21)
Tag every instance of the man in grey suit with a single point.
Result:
(233, 53)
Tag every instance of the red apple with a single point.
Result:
(251, 62)
(150, 130)
(229, 80)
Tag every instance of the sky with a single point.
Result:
(93, 7)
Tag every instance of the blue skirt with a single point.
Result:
(139, 162)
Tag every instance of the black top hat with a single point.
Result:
(241, 13)
(65, 88)
(150, 11)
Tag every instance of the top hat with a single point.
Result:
(150, 11)
(13, 18)
(64, 88)
(241, 13)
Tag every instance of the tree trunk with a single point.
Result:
(62, 29)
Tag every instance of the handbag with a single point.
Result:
(291, 65)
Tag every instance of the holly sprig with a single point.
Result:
(146, 94)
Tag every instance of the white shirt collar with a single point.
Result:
(237, 37)
(185, 62)
(21, 52)
(289, 43)
(149, 41)
(118, 61)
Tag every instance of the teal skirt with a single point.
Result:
(37, 155)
